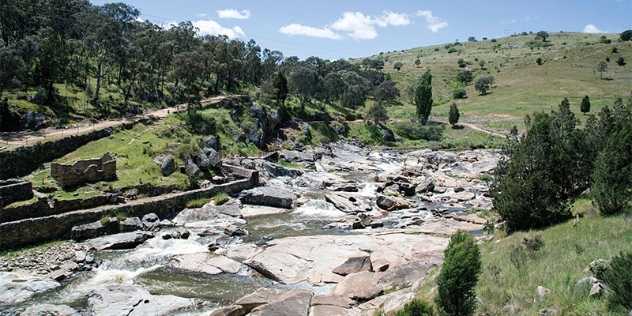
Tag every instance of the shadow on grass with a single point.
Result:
(458, 127)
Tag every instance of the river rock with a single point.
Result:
(268, 196)
(260, 297)
(294, 303)
(116, 300)
(397, 301)
(49, 309)
(151, 222)
(206, 262)
(298, 156)
(404, 275)
(356, 263)
(273, 170)
(130, 224)
(425, 186)
(358, 286)
(108, 225)
(327, 310)
(119, 241)
(231, 310)
(390, 203)
(17, 288)
(313, 258)
(348, 202)
(243, 252)
(191, 169)
(254, 211)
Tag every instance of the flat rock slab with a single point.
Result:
(119, 241)
(327, 310)
(442, 227)
(294, 303)
(348, 202)
(254, 211)
(268, 196)
(359, 286)
(207, 263)
(313, 258)
(116, 300)
(17, 288)
(50, 309)
(260, 297)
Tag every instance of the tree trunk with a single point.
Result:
(98, 76)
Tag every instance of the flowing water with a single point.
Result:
(148, 267)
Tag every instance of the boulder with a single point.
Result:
(268, 196)
(202, 161)
(167, 164)
(348, 202)
(345, 187)
(230, 208)
(404, 275)
(231, 310)
(396, 302)
(388, 135)
(233, 230)
(17, 288)
(298, 156)
(294, 303)
(151, 222)
(273, 170)
(354, 264)
(254, 211)
(260, 297)
(191, 169)
(214, 158)
(130, 224)
(358, 286)
(390, 203)
(119, 241)
(327, 310)
(205, 263)
(425, 186)
(49, 309)
(211, 142)
(108, 225)
(115, 300)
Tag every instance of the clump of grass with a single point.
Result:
(120, 216)
(221, 198)
(196, 203)
(105, 220)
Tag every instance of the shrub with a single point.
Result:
(451, 50)
(539, 61)
(621, 61)
(619, 279)
(459, 93)
(459, 275)
(533, 245)
(615, 50)
(416, 307)
(415, 131)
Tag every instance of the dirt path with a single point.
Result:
(12, 140)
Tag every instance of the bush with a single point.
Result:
(459, 275)
(451, 50)
(415, 131)
(533, 245)
(416, 307)
(619, 279)
(459, 93)
(621, 61)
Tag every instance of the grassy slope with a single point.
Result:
(521, 86)
(557, 266)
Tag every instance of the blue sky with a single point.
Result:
(353, 28)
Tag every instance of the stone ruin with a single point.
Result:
(13, 190)
(85, 170)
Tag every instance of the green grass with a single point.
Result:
(197, 203)
(221, 198)
(504, 289)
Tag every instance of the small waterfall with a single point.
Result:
(318, 208)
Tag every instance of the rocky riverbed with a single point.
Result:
(330, 238)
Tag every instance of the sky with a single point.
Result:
(347, 29)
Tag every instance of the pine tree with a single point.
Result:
(423, 97)
(585, 106)
(454, 115)
(459, 275)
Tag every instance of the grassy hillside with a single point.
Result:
(569, 70)
(508, 281)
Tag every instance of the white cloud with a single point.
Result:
(356, 25)
(233, 14)
(392, 18)
(211, 27)
(201, 15)
(298, 29)
(434, 23)
(590, 28)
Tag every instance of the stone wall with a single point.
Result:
(13, 190)
(36, 230)
(85, 170)
(49, 206)
(24, 160)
